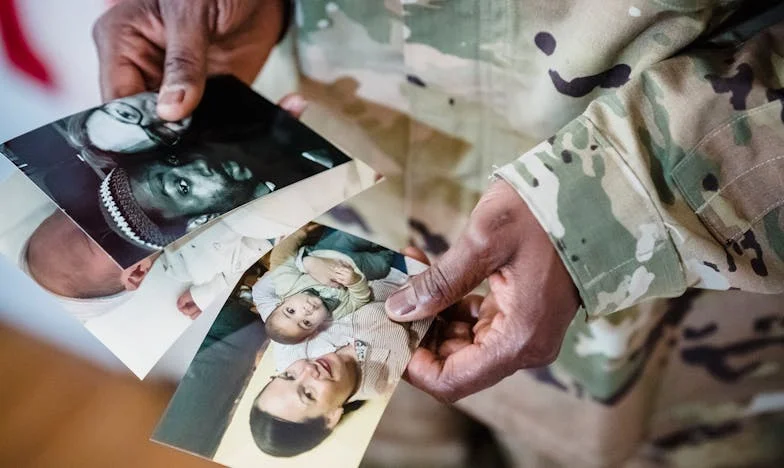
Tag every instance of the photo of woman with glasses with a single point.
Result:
(120, 127)
(135, 182)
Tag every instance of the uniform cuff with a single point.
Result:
(600, 217)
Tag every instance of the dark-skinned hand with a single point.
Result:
(174, 45)
(519, 324)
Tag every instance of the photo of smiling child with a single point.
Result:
(136, 183)
(329, 358)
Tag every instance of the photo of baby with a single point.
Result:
(136, 183)
(317, 284)
(140, 311)
(318, 362)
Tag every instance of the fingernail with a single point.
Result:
(403, 301)
(171, 96)
(294, 104)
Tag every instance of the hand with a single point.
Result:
(187, 305)
(521, 322)
(345, 275)
(174, 44)
(322, 270)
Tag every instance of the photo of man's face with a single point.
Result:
(130, 125)
(211, 179)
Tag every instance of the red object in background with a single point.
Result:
(17, 48)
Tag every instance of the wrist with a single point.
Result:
(554, 267)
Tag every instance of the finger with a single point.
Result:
(193, 309)
(491, 239)
(452, 346)
(484, 322)
(459, 330)
(452, 376)
(461, 269)
(119, 78)
(294, 104)
(467, 310)
(118, 75)
(185, 63)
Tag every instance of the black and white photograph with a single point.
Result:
(302, 358)
(136, 183)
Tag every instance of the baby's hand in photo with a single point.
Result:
(345, 275)
(187, 305)
(322, 270)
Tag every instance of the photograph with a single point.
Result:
(140, 311)
(302, 358)
(136, 183)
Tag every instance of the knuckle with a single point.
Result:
(492, 237)
(99, 28)
(435, 285)
(477, 237)
(102, 28)
(184, 64)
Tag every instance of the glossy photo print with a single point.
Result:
(140, 311)
(301, 360)
(135, 183)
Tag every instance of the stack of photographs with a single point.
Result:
(137, 226)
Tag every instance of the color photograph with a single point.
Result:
(302, 358)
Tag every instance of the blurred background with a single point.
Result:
(65, 399)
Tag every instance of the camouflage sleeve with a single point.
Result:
(674, 181)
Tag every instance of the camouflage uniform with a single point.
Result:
(659, 170)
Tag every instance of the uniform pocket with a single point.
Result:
(735, 175)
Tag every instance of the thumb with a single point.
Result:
(185, 65)
(489, 241)
(462, 268)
